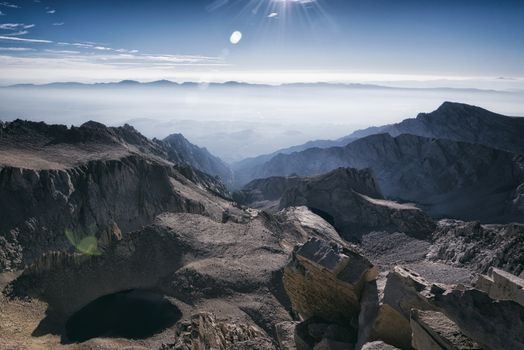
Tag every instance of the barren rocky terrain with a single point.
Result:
(108, 241)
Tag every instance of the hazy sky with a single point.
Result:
(282, 40)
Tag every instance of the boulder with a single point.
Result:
(502, 285)
(405, 289)
(316, 333)
(285, 334)
(494, 324)
(432, 330)
(326, 280)
(203, 331)
(385, 316)
(378, 345)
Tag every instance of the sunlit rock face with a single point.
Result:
(326, 280)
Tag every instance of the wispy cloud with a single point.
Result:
(16, 49)
(69, 52)
(16, 29)
(9, 38)
(21, 32)
(51, 11)
(15, 26)
(272, 14)
(8, 4)
(58, 23)
(1, 13)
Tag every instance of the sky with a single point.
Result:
(450, 42)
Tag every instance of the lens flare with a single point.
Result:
(235, 38)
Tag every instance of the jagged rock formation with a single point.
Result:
(181, 151)
(203, 331)
(479, 247)
(448, 178)
(59, 186)
(347, 198)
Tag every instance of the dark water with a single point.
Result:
(133, 314)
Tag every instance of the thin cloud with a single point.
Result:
(16, 49)
(51, 11)
(2, 14)
(14, 38)
(63, 51)
(7, 4)
(22, 32)
(58, 23)
(15, 26)
(272, 15)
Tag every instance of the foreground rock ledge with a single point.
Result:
(326, 280)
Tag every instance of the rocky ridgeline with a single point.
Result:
(59, 186)
(409, 313)
(349, 199)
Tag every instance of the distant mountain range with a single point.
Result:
(453, 121)
(458, 161)
(169, 83)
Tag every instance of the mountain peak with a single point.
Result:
(91, 124)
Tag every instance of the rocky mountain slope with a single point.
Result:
(452, 121)
(180, 151)
(105, 243)
(460, 122)
(447, 178)
(347, 198)
(77, 188)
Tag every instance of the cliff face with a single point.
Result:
(60, 187)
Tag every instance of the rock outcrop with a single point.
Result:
(494, 324)
(502, 285)
(203, 331)
(479, 247)
(326, 280)
(433, 330)
(347, 198)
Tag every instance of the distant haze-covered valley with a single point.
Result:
(235, 120)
